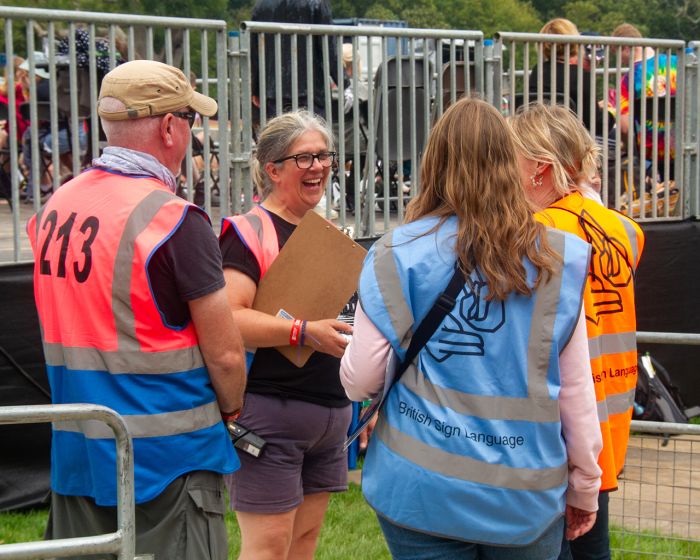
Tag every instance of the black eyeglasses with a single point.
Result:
(189, 115)
(306, 161)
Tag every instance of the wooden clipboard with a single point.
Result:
(312, 278)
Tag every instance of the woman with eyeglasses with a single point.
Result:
(281, 496)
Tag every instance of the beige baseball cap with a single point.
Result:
(149, 88)
(347, 53)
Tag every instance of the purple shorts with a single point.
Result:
(304, 454)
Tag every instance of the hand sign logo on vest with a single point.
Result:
(610, 268)
(474, 314)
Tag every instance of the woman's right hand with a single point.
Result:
(324, 336)
(578, 522)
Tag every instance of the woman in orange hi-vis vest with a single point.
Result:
(558, 160)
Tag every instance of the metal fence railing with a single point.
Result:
(399, 80)
(634, 108)
(122, 542)
(75, 49)
(655, 513)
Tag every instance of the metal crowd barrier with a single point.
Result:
(646, 180)
(122, 542)
(74, 78)
(655, 513)
(402, 80)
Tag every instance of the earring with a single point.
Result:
(536, 181)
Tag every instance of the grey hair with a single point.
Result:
(277, 137)
(127, 133)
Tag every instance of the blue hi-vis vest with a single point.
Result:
(468, 445)
(106, 342)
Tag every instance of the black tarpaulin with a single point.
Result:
(24, 455)
(668, 299)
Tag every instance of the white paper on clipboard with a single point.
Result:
(391, 367)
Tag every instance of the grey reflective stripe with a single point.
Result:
(615, 343)
(92, 359)
(256, 224)
(493, 408)
(467, 468)
(150, 425)
(541, 335)
(632, 238)
(138, 220)
(389, 284)
(619, 403)
(602, 408)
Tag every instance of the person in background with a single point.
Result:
(349, 119)
(17, 74)
(582, 105)
(44, 132)
(317, 12)
(281, 496)
(133, 309)
(293, 11)
(484, 445)
(662, 84)
(558, 159)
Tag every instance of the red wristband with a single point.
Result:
(230, 416)
(295, 333)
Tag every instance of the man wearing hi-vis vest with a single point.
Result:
(134, 315)
(558, 160)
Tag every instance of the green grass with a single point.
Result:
(22, 527)
(646, 544)
(350, 530)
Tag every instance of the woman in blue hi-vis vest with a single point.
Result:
(480, 449)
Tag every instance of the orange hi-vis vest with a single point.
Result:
(106, 342)
(257, 231)
(617, 243)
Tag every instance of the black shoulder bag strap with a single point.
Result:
(442, 306)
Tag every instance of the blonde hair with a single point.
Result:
(627, 30)
(348, 55)
(17, 60)
(554, 135)
(559, 26)
(469, 169)
(277, 137)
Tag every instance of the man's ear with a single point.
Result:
(166, 135)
